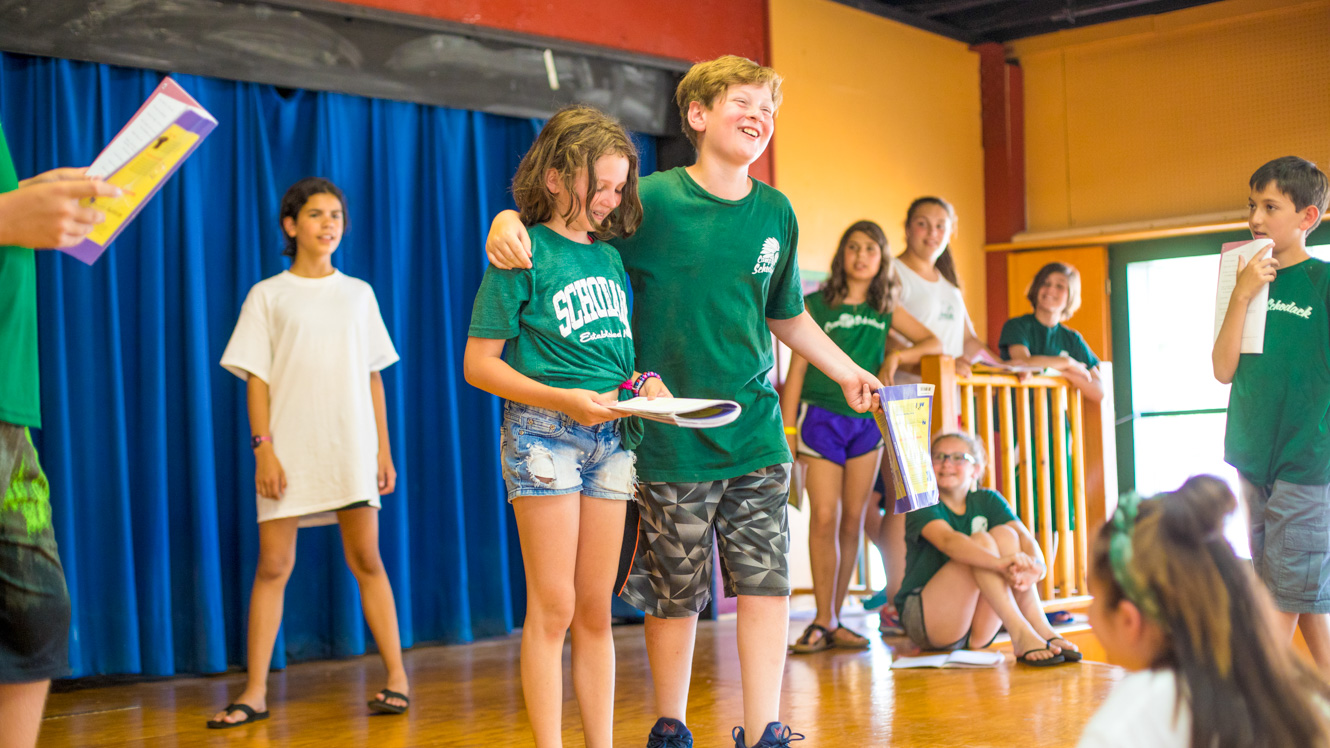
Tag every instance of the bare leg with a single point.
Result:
(858, 475)
(824, 503)
(21, 713)
(548, 529)
(360, 543)
(670, 651)
(954, 607)
(763, 625)
(598, 547)
(277, 556)
(1027, 600)
(1316, 632)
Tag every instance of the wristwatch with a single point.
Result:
(255, 441)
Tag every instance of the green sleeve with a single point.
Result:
(1080, 350)
(1013, 333)
(916, 521)
(785, 299)
(995, 507)
(499, 303)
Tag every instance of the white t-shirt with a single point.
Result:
(1143, 710)
(315, 342)
(938, 305)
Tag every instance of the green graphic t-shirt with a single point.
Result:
(1279, 406)
(984, 510)
(1057, 340)
(20, 399)
(566, 318)
(706, 273)
(861, 332)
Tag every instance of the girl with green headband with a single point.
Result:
(1175, 606)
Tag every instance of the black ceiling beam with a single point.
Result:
(890, 12)
(934, 9)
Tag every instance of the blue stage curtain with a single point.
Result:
(145, 437)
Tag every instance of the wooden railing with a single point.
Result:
(1048, 449)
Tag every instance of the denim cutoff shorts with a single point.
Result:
(547, 453)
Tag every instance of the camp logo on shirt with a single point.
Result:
(586, 300)
(978, 525)
(853, 320)
(766, 259)
(1287, 306)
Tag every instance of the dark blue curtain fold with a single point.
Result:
(145, 437)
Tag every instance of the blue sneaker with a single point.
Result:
(669, 733)
(775, 736)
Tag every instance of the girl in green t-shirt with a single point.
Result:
(841, 448)
(1040, 338)
(971, 566)
(566, 458)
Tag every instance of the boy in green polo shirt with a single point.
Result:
(1278, 434)
(34, 620)
(714, 274)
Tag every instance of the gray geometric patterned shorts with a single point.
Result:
(671, 572)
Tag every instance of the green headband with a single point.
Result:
(1120, 555)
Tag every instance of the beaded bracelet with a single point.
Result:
(642, 380)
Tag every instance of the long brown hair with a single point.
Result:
(574, 139)
(883, 290)
(1245, 687)
(945, 263)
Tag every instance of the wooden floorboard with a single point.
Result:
(470, 696)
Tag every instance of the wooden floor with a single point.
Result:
(470, 696)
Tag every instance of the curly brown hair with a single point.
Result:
(885, 288)
(575, 138)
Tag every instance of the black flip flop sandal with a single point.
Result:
(1024, 659)
(805, 643)
(250, 716)
(383, 707)
(1070, 655)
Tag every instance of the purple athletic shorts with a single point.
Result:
(832, 436)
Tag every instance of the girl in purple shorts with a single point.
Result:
(855, 307)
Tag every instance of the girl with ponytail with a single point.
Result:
(1175, 606)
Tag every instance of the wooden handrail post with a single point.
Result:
(940, 371)
(1101, 456)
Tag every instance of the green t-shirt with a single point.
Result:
(860, 331)
(706, 273)
(984, 510)
(20, 397)
(1057, 340)
(1279, 406)
(566, 318)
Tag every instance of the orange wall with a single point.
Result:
(1168, 116)
(876, 114)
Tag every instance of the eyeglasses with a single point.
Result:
(942, 458)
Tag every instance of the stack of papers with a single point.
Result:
(1253, 328)
(688, 412)
(905, 423)
(961, 658)
(157, 139)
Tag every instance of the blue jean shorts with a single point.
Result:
(547, 453)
